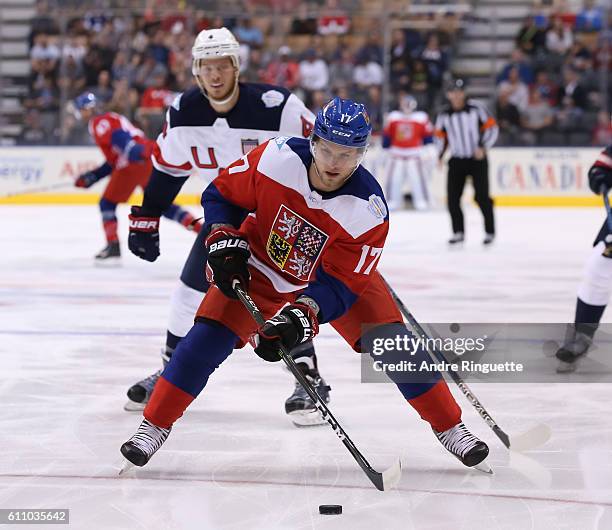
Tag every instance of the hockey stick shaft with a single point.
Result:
(375, 477)
(604, 192)
(40, 189)
(465, 389)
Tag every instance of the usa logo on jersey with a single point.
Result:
(294, 244)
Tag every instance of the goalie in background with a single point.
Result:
(127, 152)
(408, 138)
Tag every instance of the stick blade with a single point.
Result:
(531, 439)
(392, 475)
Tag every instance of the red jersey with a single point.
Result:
(324, 245)
(116, 135)
(407, 131)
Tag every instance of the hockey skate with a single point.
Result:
(457, 239)
(191, 223)
(109, 256)
(468, 449)
(139, 449)
(578, 340)
(139, 393)
(299, 406)
(488, 240)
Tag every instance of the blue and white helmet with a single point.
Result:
(86, 100)
(343, 122)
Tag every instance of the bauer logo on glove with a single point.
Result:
(228, 255)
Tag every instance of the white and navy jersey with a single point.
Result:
(197, 140)
(462, 131)
(324, 244)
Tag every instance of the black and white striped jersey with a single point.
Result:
(462, 131)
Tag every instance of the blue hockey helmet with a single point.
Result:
(343, 122)
(86, 100)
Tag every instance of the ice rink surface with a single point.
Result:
(73, 338)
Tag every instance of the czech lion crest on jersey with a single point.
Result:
(294, 244)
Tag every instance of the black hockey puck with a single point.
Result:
(330, 509)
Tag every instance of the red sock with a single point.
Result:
(438, 407)
(110, 230)
(167, 404)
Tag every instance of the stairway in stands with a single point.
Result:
(486, 44)
(15, 23)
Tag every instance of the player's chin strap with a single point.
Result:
(314, 161)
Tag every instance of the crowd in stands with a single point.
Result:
(136, 61)
(550, 93)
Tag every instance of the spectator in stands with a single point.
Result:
(517, 91)
(148, 71)
(341, 69)
(283, 70)
(303, 23)
(373, 102)
(602, 134)
(508, 118)
(517, 60)
(537, 117)
(124, 99)
(572, 90)
(74, 47)
(150, 114)
(42, 22)
(249, 34)
(158, 49)
(318, 98)
(579, 56)
(435, 62)
(180, 52)
(32, 132)
(530, 38)
(548, 89)
(559, 37)
(314, 73)
(367, 74)
(71, 77)
(103, 90)
(254, 70)
(44, 56)
(590, 19)
(372, 50)
(418, 86)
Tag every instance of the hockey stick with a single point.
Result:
(534, 437)
(41, 189)
(383, 481)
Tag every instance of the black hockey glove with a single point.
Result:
(228, 253)
(143, 240)
(295, 324)
(599, 176)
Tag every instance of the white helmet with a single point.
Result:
(214, 44)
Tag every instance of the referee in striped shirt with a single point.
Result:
(467, 128)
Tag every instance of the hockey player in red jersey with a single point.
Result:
(207, 128)
(406, 137)
(127, 151)
(596, 286)
(307, 253)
